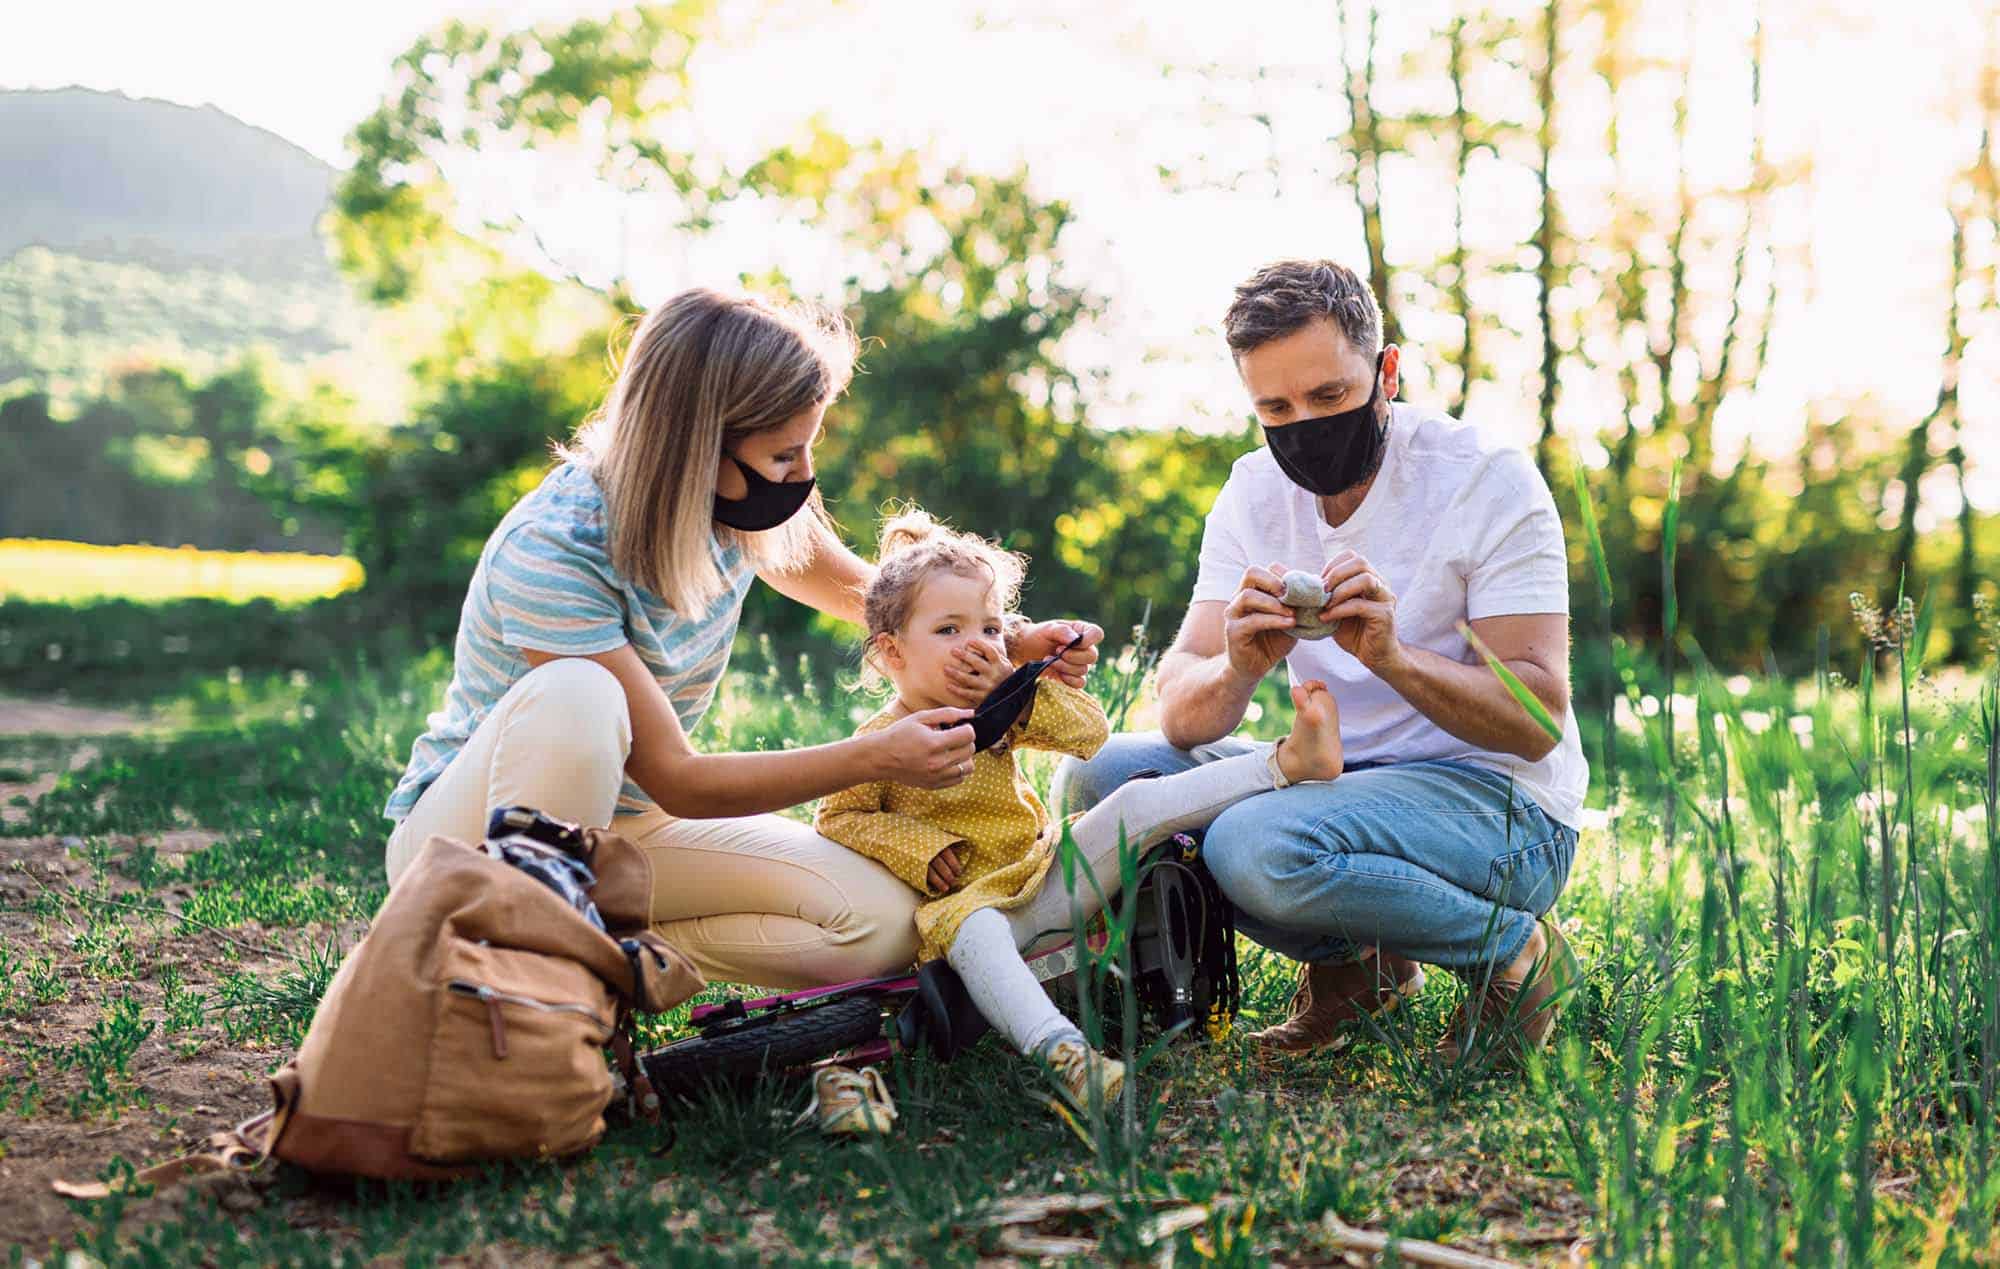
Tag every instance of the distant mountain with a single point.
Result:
(106, 176)
(140, 231)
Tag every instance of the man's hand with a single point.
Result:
(975, 669)
(945, 871)
(1361, 601)
(1031, 641)
(1254, 624)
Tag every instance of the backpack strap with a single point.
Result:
(641, 1099)
(242, 1149)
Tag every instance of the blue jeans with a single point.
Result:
(1442, 862)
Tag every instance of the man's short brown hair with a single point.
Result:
(1282, 298)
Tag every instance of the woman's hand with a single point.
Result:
(975, 669)
(945, 871)
(1034, 640)
(931, 749)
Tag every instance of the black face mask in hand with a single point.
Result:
(1334, 452)
(768, 504)
(1011, 702)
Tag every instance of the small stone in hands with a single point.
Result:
(1305, 596)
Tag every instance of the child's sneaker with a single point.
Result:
(1077, 1069)
(847, 1101)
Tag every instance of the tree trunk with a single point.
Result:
(1364, 136)
(1546, 230)
(1459, 290)
(1916, 458)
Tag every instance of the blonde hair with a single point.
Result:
(914, 546)
(703, 371)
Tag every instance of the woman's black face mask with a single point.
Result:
(1011, 702)
(768, 504)
(1334, 452)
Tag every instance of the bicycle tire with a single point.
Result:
(788, 1039)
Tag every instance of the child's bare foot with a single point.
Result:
(1312, 751)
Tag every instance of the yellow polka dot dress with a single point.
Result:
(1003, 833)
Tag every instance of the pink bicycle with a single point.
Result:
(1182, 964)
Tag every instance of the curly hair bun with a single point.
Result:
(908, 527)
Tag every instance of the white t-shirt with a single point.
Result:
(1460, 529)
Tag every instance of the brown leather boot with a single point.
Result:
(1517, 1011)
(1331, 995)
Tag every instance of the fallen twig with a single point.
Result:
(1348, 1238)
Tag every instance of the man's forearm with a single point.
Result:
(1471, 702)
(1202, 699)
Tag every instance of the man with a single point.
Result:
(1452, 829)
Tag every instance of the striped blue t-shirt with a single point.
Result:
(545, 582)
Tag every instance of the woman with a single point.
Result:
(599, 621)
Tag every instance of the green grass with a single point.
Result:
(1785, 1048)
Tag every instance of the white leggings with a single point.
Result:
(988, 951)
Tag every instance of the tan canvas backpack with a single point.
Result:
(469, 1025)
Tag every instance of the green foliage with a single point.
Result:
(158, 458)
(958, 282)
(474, 87)
(418, 501)
(70, 324)
(1748, 1072)
(1739, 1075)
(127, 650)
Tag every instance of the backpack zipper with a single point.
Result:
(493, 998)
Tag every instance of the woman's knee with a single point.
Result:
(573, 698)
(875, 931)
(870, 941)
(866, 913)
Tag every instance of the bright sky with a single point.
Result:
(1078, 93)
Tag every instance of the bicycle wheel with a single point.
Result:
(778, 1041)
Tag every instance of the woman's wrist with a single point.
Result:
(867, 755)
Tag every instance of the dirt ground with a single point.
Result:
(176, 1088)
(54, 718)
(181, 1087)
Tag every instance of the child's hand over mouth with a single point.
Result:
(976, 667)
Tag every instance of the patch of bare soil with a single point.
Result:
(17, 796)
(19, 717)
(178, 1085)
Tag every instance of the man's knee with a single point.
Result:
(1257, 860)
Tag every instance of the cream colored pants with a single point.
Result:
(754, 899)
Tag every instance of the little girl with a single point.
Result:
(983, 849)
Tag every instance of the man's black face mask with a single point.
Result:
(1334, 452)
(1011, 702)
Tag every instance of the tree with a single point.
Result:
(954, 277)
